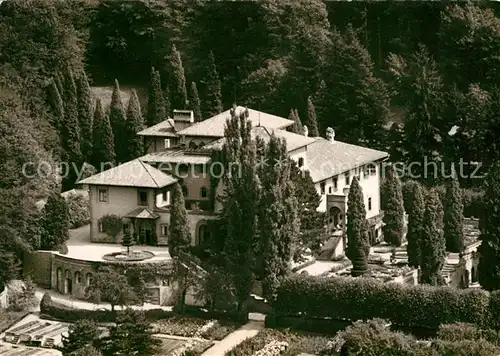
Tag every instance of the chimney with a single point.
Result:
(183, 115)
(330, 134)
(305, 130)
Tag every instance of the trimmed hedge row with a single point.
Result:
(63, 312)
(362, 299)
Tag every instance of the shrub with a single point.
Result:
(472, 200)
(111, 225)
(45, 303)
(494, 309)
(79, 212)
(463, 331)
(363, 299)
(463, 348)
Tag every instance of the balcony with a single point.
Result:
(203, 205)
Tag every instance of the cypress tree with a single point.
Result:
(320, 102)
(240, 208)
(433, 244)
(83, 333)
(102, 139)
(156, 100)
(178, 80)
(278, 216)
(127, 240)
(298, 128)
(213, 92)
(393, 209)
(85, 113)
(117, 119)
(56, 104)
(166, 102)
(358, 245)
(194, 102)
(489, 251)
(55, 222)
(134, 124)
(312, 122)
(453, 216)
(59, 79)
(416, 229)
(70, 130)
(180, 237)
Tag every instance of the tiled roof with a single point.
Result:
(293, 141)
(177, 156)
(142, 213)
(214, 126)
(131, 174)
(326, 159)
(163, 129)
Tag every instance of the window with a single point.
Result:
(103, 195)
(369, 203)
(322, 187)
(301, 162)
(78, 277)
(371, 170)
(164, 229)
(347, 179)
(203, 192)
(335, 183)
(329, 190)
(88, 280)
(143, 198)
(167, 143)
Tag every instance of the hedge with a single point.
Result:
(354, 299)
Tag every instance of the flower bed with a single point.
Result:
(297, 343)
(134, 256)
(179, 326)
(220, 329)
(274, 348)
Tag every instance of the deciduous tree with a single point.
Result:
(179, 234)
(357, 230)
(433, 244)
(110, 286)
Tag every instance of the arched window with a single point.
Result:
(88, 279)
(335, 214)
(203, 232)
(59, 280)
(193, 145)
(203, 192)
(78, 277)
(301, 162)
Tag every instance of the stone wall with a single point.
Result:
(38, 266)
(70, 276)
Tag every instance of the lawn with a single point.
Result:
(297, 343)
(169, 345)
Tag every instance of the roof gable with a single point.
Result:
(131, 174)
(163, 129)
(214, 126)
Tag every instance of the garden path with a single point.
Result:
(247, 331)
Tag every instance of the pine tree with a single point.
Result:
(194, 102)
(179, 234)
(117, 119)
(56, 104)
(357, 230)
(55, 222)
(433, 244)
(83, 333)
(70, 130)
(178, 80)
(134, 124)
(489, 250)
(127, 240)
(85, 113)
(312, 122)
(102, 139)
(416, 228)
(156, 100)
(393, 209)
(453, 216)
(213, 92)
